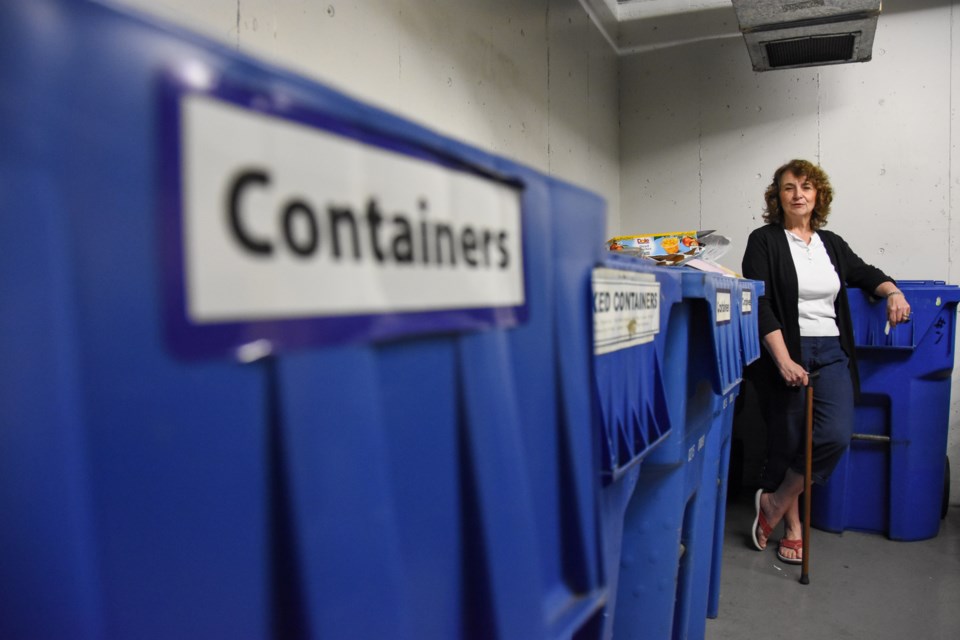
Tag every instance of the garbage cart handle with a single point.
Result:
(870, 437)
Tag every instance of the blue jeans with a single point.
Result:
(832, 416)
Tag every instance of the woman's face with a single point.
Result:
(798, 196)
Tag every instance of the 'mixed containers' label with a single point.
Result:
(626, 309)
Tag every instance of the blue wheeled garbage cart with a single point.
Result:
(716, 407)
(747, 294)
(632, 304)
(891, 480)
(668, 525)
(257, 380)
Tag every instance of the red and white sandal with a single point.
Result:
(761, 522)
(793, 545)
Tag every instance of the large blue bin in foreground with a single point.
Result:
(668, 524)
(178, 471)
(632, 305)
(891, 479)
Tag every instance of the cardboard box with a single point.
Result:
(657, 244)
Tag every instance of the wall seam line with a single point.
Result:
(700, 164)
(950, 117)
(819, 122)
(549, 114)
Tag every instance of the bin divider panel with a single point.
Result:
(344, 513)
(503, 499)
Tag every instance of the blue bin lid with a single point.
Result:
(632, 416)
(722, 295)
(933, 306)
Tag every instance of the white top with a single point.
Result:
(818, 286)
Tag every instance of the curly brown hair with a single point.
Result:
(773, 211)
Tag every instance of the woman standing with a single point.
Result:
(805, 327)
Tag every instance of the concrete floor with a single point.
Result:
(861, 585)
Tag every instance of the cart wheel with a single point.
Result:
(946, 489)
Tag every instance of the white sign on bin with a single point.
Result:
(626, 309)
(746, 301)
(283, 220)
(723, 308)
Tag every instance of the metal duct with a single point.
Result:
(786, 34)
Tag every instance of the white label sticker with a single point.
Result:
(626, 309)
(746, 301)
(285, 220)
(723, 306)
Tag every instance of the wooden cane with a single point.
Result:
(807, 479)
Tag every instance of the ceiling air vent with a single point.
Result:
(805, 33)
(803, 52)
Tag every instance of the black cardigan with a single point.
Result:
(768, 258)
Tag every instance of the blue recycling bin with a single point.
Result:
(717, 412)
(891, 478)
(748, 292)
(632, 304)
(668, 525)
(177, 467)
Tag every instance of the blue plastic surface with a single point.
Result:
(896, 487)
(668, 526)
(433, 487)
(749, 292)
(632, 418)
(716, 410)
(631, 397)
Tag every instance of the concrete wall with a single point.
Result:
(702, 134)
(532, 80)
